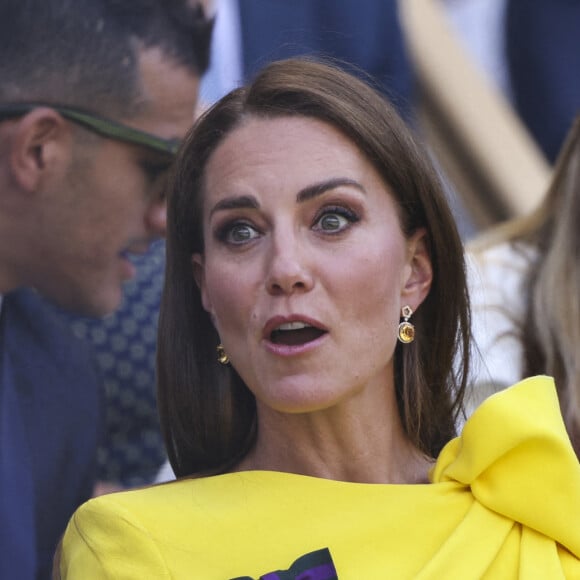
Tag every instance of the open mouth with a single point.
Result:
(295, 333)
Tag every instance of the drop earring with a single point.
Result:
(222, 356)
(406, 332)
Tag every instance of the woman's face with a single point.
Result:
(305, 268)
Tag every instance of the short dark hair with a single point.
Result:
(208, 414)
(83, 53)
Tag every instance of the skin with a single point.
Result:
(280, 249)
(74, 204)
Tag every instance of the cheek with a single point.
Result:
(227, 294)
(376, 280)
(125, 188)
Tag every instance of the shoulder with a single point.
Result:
(57, 384)
(160, 526)
(42, 350)
(32, 320)
(105, 529)
(515, 455)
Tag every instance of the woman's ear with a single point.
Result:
(197, 263)
(420, 270)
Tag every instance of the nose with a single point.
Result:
(156, 218)
(288, 271)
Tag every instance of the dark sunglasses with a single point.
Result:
(97, 124)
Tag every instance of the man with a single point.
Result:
(94, 97)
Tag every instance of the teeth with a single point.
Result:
(293, 326)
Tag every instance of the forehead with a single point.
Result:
(294, 149)
(169, 93)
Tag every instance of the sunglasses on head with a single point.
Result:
(97, 124)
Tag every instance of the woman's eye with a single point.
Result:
(335, 220)
(332, 222)
(238, 233)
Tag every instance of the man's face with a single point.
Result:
(110, 202)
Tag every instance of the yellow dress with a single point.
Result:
(504, 502)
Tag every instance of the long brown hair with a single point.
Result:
(208, 414)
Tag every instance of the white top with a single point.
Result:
(496, 279)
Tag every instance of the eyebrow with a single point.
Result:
(312, 191)
(243, 201)
(305, 194)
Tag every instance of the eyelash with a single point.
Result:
(224, 233)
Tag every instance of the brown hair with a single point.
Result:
(97, 43)
(208, 414)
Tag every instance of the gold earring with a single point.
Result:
(222, 356)
(406, 332)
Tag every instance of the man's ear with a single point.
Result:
(41, 139)
(418, 282)
(197, 263)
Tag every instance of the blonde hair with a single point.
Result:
(550, 331)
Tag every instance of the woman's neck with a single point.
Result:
(345, 443)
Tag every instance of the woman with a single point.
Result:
(308, 238)
(526, 283)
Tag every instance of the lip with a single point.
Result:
(286, 349)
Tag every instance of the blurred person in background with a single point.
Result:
(525, 283)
